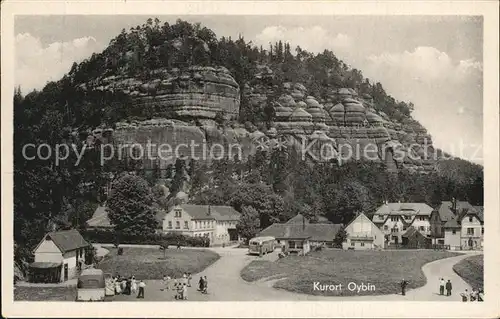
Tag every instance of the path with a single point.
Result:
(225, 283)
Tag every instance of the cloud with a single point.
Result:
(447, 93)
(37, 64)
(313, 39)
(427, 63)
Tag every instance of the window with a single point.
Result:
(394, 218)
(362, 244)
(299, 244)
(453, 232)
(470, 231)
(170, 224)
(441, 241)
(352, 243)
(394, 230)
(386, 227)
(407, 217)
(404, 227)
(177, 225)
(482, 231)
(421, 228)
(186, 225)
(470, 219)
(178, 213)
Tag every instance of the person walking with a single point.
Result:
(448, 288)
(205, 285)
(465, 295)
(200, 284)
(142, 286)
(185, 291)
(441, 286)
(133, 286)
(189, 277)
(404, 283)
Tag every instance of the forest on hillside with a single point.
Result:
(270, 186)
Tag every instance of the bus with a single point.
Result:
(261, 245)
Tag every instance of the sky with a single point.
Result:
(436, 62)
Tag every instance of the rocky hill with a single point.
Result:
(189, 86)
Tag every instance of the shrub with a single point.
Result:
(108, 236)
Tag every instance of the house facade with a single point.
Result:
(362, 234)
(463, 225)
(59, 255)
(217, 223)
(394, 219)
(298, 235)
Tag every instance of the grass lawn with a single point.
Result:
(471, 269)
(148, 263)
(384, 269)
(45, 294)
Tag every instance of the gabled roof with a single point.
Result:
(411, 231)
(225, 213)
(198, 211)
(298, 220)
(66, 240)
(208, 212)
(404, 208)
(445, 212)
(100, 218)
(315, 232)
(361, 215)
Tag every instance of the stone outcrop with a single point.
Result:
(197, 92)
(186, 103)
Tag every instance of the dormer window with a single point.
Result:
(178, 213)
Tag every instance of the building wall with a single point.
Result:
(222, 231)
(452, 239)
(436, 225)
(417, 223)
(358, 244)
(48, 252)
(390, 225)
(363, 226)
(474, 224)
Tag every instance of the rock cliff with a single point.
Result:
(186, 104)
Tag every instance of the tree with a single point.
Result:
(340, 237)
(130, 208)
(249, 224)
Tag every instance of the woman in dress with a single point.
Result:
(134, 285)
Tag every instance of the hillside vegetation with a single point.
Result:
(267, 186)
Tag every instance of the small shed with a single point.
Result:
(58, 257)
(412, 238)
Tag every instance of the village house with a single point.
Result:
(362, 234)
(299, 235)
(58, 257)
(439, 217)
(466, 229)
(217, 223)
(395, 218)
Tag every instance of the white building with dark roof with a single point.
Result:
(218, 223)
(395, 218)
(58, 256)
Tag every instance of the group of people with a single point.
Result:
(128, 286)
(180, 286)
(474, 295)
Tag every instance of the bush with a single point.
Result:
(108, 236)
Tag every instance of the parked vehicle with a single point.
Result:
(261, 245)
(91, 285)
